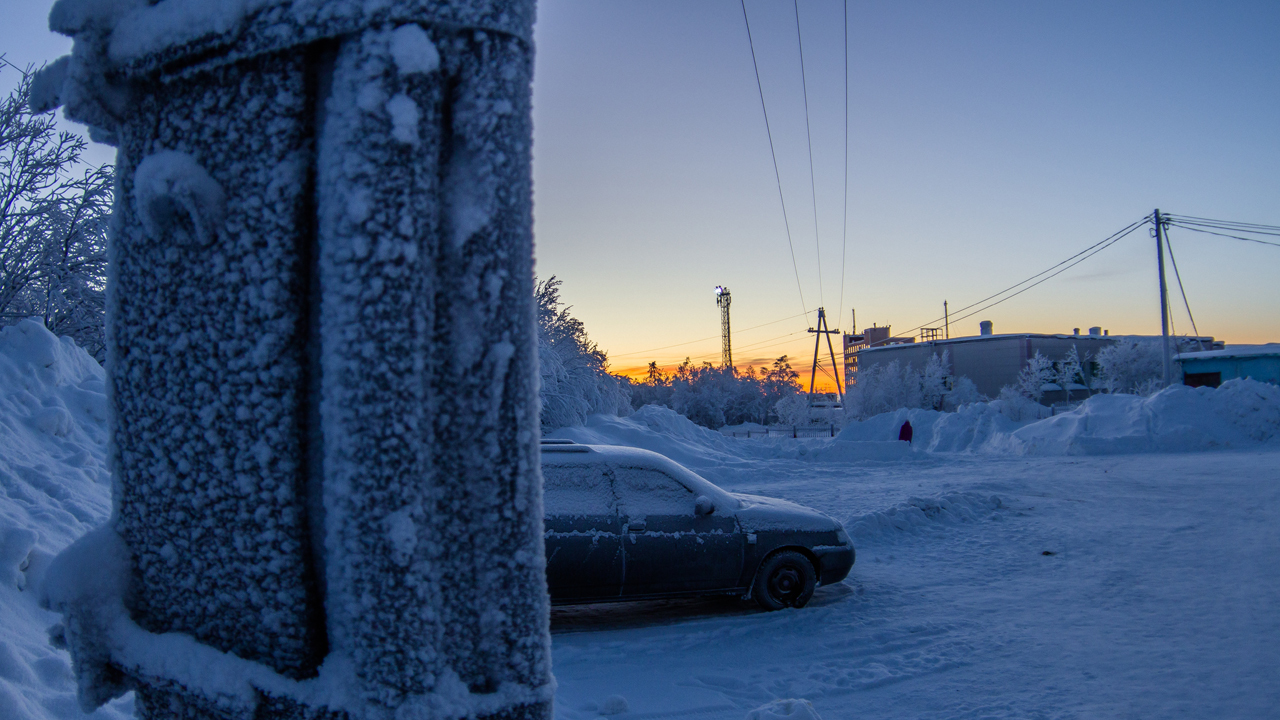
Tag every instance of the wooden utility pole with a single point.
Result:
(1164, 298)
(817, 344)
(946, 320)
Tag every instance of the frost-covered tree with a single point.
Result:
(779, 381)
(1037, 373)
(887, 387)
(1130, 366)
(1021, 400)
(1069, 371)
(53, 224)
(574, 372)
(933, 380)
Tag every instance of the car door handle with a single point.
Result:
(633, 526)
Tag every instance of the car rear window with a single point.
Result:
(576, 491)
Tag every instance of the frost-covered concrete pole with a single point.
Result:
(321, 352)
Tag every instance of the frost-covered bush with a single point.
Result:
(963, 392)
(574, 373)
(794, 410)
(1135, 367)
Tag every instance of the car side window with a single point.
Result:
(643, 492)
(576, 491)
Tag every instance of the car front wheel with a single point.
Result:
(786, 579)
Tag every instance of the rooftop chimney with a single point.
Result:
(984, 327)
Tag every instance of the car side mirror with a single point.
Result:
(703, 505)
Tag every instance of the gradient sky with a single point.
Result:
(987, 142)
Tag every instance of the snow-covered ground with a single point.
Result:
(1082, 566)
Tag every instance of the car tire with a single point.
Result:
(786, 579)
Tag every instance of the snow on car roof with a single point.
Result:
(560, 453)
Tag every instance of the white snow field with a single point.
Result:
(1159, 597)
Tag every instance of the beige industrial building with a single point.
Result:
(991, 361)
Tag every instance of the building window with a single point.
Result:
(1206, 379)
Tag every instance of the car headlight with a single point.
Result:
(843, 537)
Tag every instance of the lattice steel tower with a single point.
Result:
(722, 301)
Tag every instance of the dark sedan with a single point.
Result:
(626, 524)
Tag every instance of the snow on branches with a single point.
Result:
(53, 224)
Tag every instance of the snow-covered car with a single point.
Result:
(626, 524)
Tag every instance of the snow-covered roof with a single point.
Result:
(1236, 351)
(142, 37)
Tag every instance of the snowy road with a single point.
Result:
(1159, 598)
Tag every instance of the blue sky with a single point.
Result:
(987, 141)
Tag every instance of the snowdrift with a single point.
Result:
(53, 435)
(1241, 413)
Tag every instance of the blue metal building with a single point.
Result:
(1214, 367)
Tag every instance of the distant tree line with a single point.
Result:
(715, 396)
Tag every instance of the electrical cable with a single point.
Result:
(1181, 289)
(773, 154)
(1115, 239)
(713, 337)
(1110, 239)
(1234, 237)
(813, 188)
(844, 234)
(1236, 223)
(1232, 228)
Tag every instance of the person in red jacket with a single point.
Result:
(906, 432)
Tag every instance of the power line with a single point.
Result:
(713, 337)
(1225, 235)
(1234, 223)
(813, 189)
(844, 234)
(1109, 242)
(1181, 289)
(773, 154)
(1098, 245)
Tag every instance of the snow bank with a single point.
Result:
(1241, 413)
(789, 709)
(919, 513)
(1177, 419)
(55, 487)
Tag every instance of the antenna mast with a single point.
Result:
(726, 350)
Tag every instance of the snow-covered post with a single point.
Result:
(321, 356)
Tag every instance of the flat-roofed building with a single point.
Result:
(992, 361)
(1214, 367)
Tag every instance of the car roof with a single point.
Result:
(567, 453)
